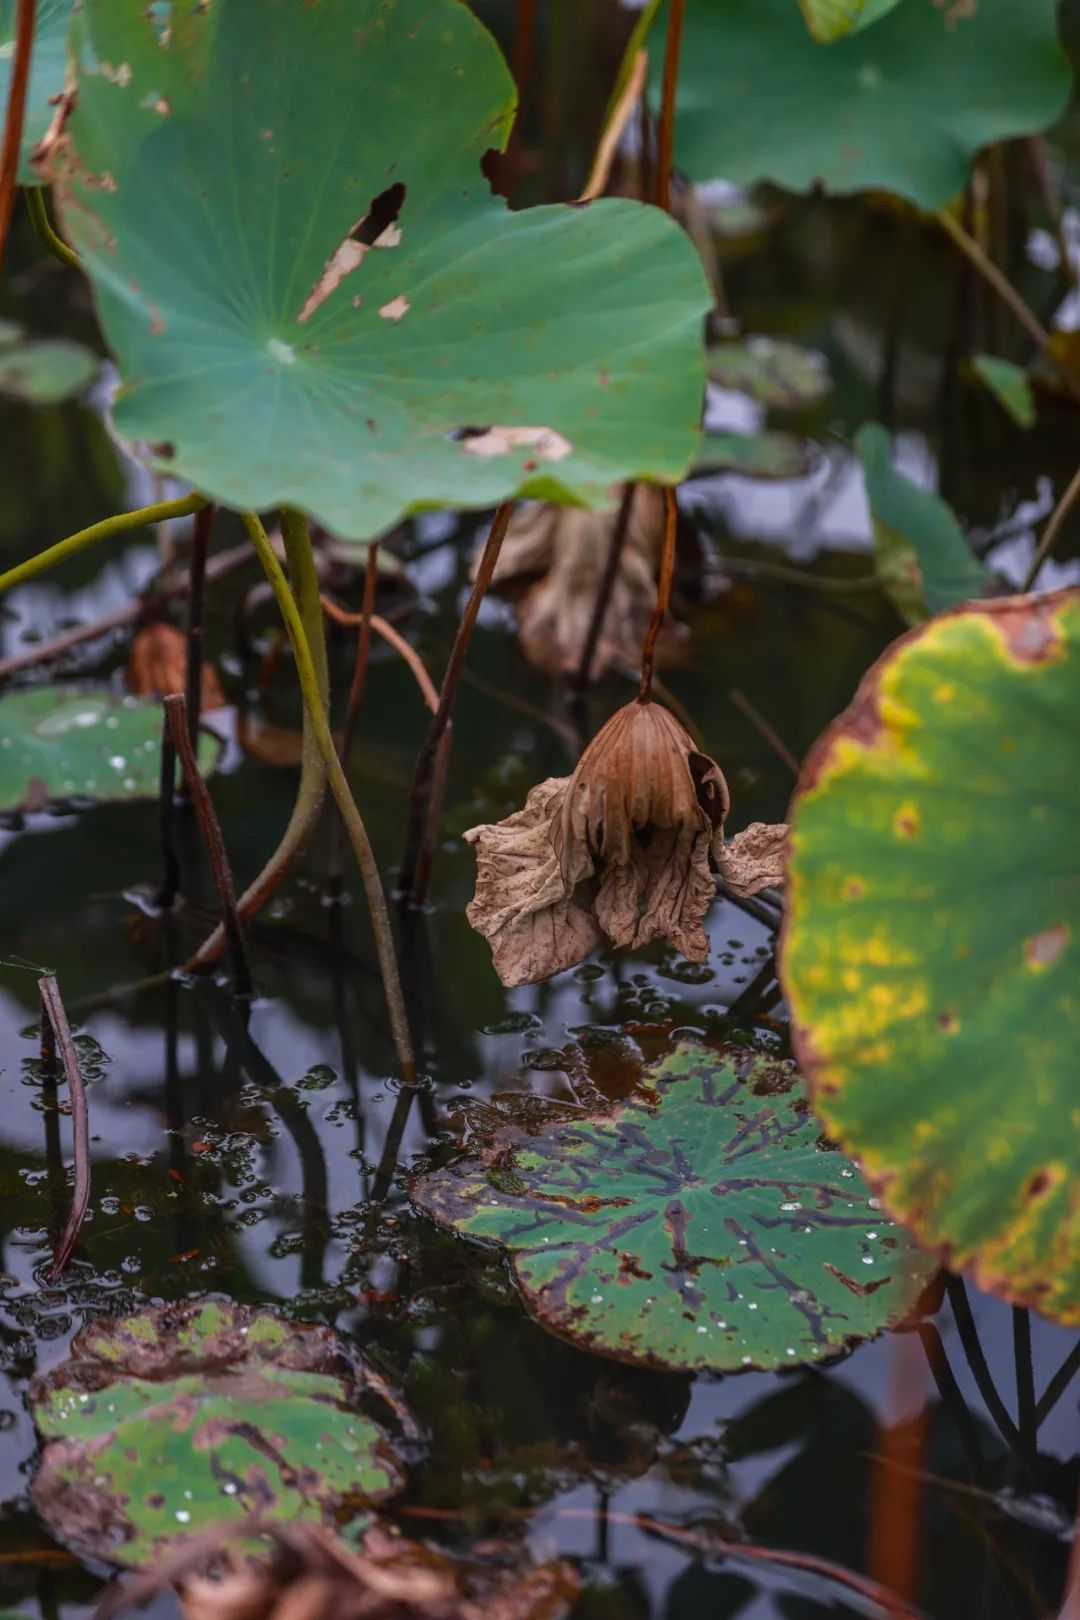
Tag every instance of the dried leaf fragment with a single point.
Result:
(755, 859)
(157, 666)
(622, 848)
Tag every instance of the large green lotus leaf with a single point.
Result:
(703, 1223)
(71, 742)
(902, 106)
(225, 200)
(47, 69)
(931, 949)
(183, 1418)
(832, 19)
(925, 563)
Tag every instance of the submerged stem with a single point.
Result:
(98, 531)
(312, 687)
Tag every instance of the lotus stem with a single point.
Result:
(393, 638)
(297, 539)
(13, 118)
(39, 217)
(200, 543)
(52, 1012)
(666, 135)
(663, 596)
(1053, 530)
(104, 530)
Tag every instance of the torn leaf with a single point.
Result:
(499, 441)
(754, 859)
(623, 848)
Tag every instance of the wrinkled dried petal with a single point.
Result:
(754, 859)
(157, 666)
(524, 903)
(662, 892)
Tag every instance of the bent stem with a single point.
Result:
(425, 805)
(34, 197)
(104, 530)
(13, 118)
(296, 540)
(312, 790)
(663, 597)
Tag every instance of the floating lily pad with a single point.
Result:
(703, 1223)
(767, 454)
(774, 371)
(924, 560)
(47, 68)
(828, 20)
(1010, 386)
(178, 1419)
(903, 106)
(42, 371)
(311, 298)
(69, 742)
(933, 939)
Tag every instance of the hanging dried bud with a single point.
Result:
(622, 848)
(157, 666)
(563, 552)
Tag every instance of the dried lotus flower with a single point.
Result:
(157, 666)
(563, 552)
(623, 848)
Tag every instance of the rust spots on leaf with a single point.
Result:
(1044, 1182)
(948, 1023)
(907, 821)
(1043, 949)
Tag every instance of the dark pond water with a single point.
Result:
(245, 1155)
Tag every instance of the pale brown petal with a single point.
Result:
(755, 859)
(524, 904)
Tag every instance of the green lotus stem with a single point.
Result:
(314, 706)
(104, 530)
(311, 793)
(34, 197)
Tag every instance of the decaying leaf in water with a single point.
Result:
(623, 848)
(563, 551)
(157, 666)
(754, 859)
(314, 1574)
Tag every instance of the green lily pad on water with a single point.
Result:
(48, 66)
(774, 371)
(180, 1419)
(925, 563)
(71, 742)
(42, 371)
(702, 1224)
(312, 297)
(767, 454)
(932, 941)
(903, 106)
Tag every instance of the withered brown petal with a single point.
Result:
(662, 892)
(754, 859)
(157, 666)
(524, 903)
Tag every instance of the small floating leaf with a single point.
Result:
(1009, 385)
(933, 939)
(44, 371)
(753, 455)
(774, 371)
(318, 320)
(924, 560)
(703, 1223)
(903, 106)
(47, 68)
(182, 1418)
(70, 742)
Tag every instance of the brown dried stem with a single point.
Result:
(1053, 529)
(13, 119)
(210, 827)
(663, 596)
(666, 136)
(52, 1011)
(200, 544)
(165, 898)
(764, 730)
(393, 638)
(424, 795)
